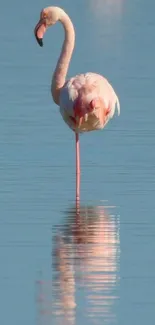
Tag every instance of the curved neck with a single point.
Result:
(62, 66)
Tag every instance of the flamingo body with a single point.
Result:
(91, 97)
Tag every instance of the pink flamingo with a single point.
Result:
(87, 101)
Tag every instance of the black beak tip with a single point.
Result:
(40, 41)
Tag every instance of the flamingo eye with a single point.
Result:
(43, 15)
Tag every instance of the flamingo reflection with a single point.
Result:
(85, 257)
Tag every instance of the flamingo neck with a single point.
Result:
(62, 66)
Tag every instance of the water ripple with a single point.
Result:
(85, 268)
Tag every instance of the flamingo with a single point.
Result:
(87, 101)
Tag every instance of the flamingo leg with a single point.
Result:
(77, 168)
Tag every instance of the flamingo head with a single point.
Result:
(48, 17)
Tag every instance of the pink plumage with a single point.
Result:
(87, 101)
(90, 97)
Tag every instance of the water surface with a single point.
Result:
(105, 252)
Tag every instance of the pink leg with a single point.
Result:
(77, 169)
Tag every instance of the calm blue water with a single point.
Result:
(95, 265)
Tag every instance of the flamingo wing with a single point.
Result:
(88, 86)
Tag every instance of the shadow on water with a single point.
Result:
(85, 269)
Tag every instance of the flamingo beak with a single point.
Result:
(39, 31)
